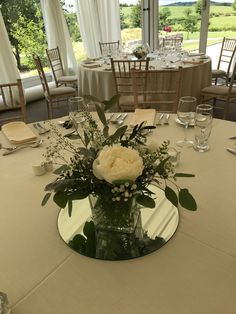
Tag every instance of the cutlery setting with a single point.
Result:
(119, 120)
(10, 150)
(163, 119)
(40, 129)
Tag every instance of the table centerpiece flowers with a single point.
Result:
(115, 170)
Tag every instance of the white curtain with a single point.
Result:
(109, 19)
(58, 34)
(99, 20)
(8, 68)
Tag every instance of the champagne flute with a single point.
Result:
(186, 112)
(203, 124)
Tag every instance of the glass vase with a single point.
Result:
(118, 228)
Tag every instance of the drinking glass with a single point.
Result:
(76, 108)
(203, 125)
(186, 112)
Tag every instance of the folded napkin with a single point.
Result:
(18, 132)
(91, 65)
(196, 54)
(140, 115)
(193, 61)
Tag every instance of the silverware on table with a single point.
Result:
(110, 117)
(10, 150)
(231, 150)
(166, 119)
(159, 122)
(41, 130)
(232, 137)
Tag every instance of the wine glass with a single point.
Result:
(186, 112)
(203, 125)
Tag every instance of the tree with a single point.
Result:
(198, 7)
(165, 13)
(73, 25)
(11, 11)
(135, 16)
(234, 6)
(31, 38)
(189, 22)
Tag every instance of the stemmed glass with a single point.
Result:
(186, 113)
(203, 124)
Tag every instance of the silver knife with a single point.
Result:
(231, 150)
(232, 137)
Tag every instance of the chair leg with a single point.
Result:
(226, 111)
(49, 108)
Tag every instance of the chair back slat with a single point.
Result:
(227, 54)
(109, 48)
(159, 89)
(121, 70)
(42, 76)
(55, 61)
(12, 98)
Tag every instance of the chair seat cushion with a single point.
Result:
(61, 91)
(219, 90)
(68, 78)
(218, 73)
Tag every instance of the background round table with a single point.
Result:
(98, 82)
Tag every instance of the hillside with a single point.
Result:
(190, 3)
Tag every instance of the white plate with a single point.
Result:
(168, 66)
(192, 123)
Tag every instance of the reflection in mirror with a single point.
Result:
(153, 228)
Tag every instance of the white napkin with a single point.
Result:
(91, 65)
(140, 115)
(18, 132)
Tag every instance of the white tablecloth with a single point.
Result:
(99, 83)
(195, 272)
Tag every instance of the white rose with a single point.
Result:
(118, 163)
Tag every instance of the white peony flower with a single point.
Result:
(118, 163)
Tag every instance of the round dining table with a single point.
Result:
(96, 80)
(195, 272)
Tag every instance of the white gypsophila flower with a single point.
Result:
(118, 163)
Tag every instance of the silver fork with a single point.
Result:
(159, 122)
(10, 150)
(167, 117)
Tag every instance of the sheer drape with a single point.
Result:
(99, 20)
(58, 33)
(8, 68)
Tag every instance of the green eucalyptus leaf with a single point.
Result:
(101, 114)
(46, 198)
(186, 200)
(61, 169)
(171, 196)
(74, 137)
(146, 201)
(60, 198)
(70, 207)
(105, 131)
(78, 243)
(79, 194)
(184, 175)
(111, 102)
(86, 139)
(118, 133)
(62, 185)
